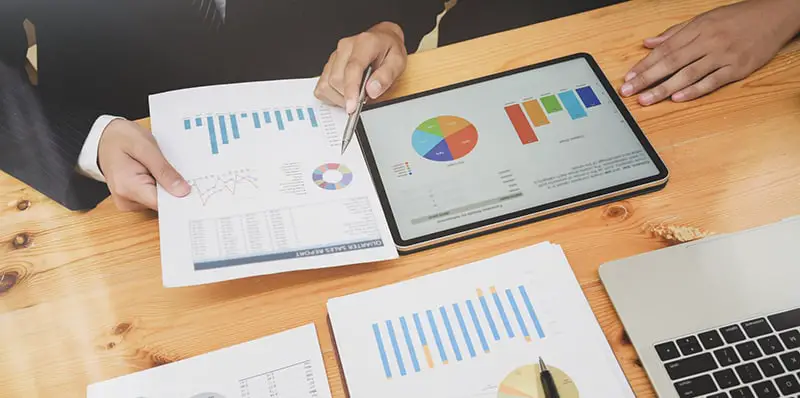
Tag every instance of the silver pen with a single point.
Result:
(352, 120)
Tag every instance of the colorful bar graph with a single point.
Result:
(198, 122)
(300, 115)
(574, 107)
(551, 104)
(502, 312)
(521, 124)
(437, 337)
(409, 344)
(518, 315)
(588, 96)
(212, 136)
(289, 116)
(313, 117)
(244, 116)
(531, 311)
(279, 120)
(488, 314)
(424, 341)
(256, 120)
(464, 330)
(450, 334)
(535, 113)
(187, 124)
(396, 347)
(478, 328)
(382, 351)
(235, 127)
(267, 118)
(223, 129)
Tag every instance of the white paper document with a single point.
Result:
(271, 191)
(284, 365)
(477, 331)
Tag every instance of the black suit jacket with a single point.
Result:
(106, 56)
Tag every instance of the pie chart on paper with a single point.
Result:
(524, 383)
(444, 138)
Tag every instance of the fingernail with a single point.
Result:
(646, 98)
(627, 89)
(375, 89)
(350, 106)
(630, 76)
(181, 188)
(679, 96)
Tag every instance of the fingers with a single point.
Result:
(708, 84)
(684, 78)
(368, 48)
(653, 42)
(389, 70)
(147, 153)
(340, 59)
(669, 46)
(135, 192)
(324, 91)
(667, 65)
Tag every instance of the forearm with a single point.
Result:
(785, 14)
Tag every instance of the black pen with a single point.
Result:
(548, 383)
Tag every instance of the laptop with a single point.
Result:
(718, 317)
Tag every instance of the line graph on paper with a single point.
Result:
(236, 183)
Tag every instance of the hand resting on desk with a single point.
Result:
(721, 46)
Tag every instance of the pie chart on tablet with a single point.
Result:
(444, 138)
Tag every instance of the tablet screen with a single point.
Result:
(469, 154)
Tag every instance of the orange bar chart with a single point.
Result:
(536, 113)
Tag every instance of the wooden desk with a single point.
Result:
(82, 299)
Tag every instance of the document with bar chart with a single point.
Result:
(477, 331)
(271, 191)
(284, 365)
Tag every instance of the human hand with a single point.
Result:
(382, 46)
(130, 160)
(721, 46)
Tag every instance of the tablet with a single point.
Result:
(504, 149)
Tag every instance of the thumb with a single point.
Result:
(391, 67)
(151, 158)
(654, 42)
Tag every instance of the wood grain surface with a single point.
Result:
(81, 298)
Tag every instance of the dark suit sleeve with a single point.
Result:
(40, 138)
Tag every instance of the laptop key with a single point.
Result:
(756, 327)
(742, 392)
(732, 334)
(766, 389)
(748, 350)
(771, 366)
(748, 373)
(785, 320)
(710, 339)
(726, 356)
(791, 360)
(791, 339)
(689, 345)
(788, 384)
(667, 351)
(770, 345)
(695, 387)
(691, 366)
(719, 395)
(726, 379)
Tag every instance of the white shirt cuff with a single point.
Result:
(87, 160)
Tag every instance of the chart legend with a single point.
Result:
(455, 332)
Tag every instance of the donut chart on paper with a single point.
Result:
(322, 176)
(524, 383)
(444, 138)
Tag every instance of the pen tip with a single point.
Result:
(542, 366)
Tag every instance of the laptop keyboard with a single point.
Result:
(758, 358)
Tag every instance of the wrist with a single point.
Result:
(787, 17)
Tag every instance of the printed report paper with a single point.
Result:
(271, 191)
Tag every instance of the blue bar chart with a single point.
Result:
(225, 128)
(456, 332)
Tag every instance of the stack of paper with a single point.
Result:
(477, 331)
(284, 365)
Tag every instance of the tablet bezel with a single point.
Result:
(511, 219)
